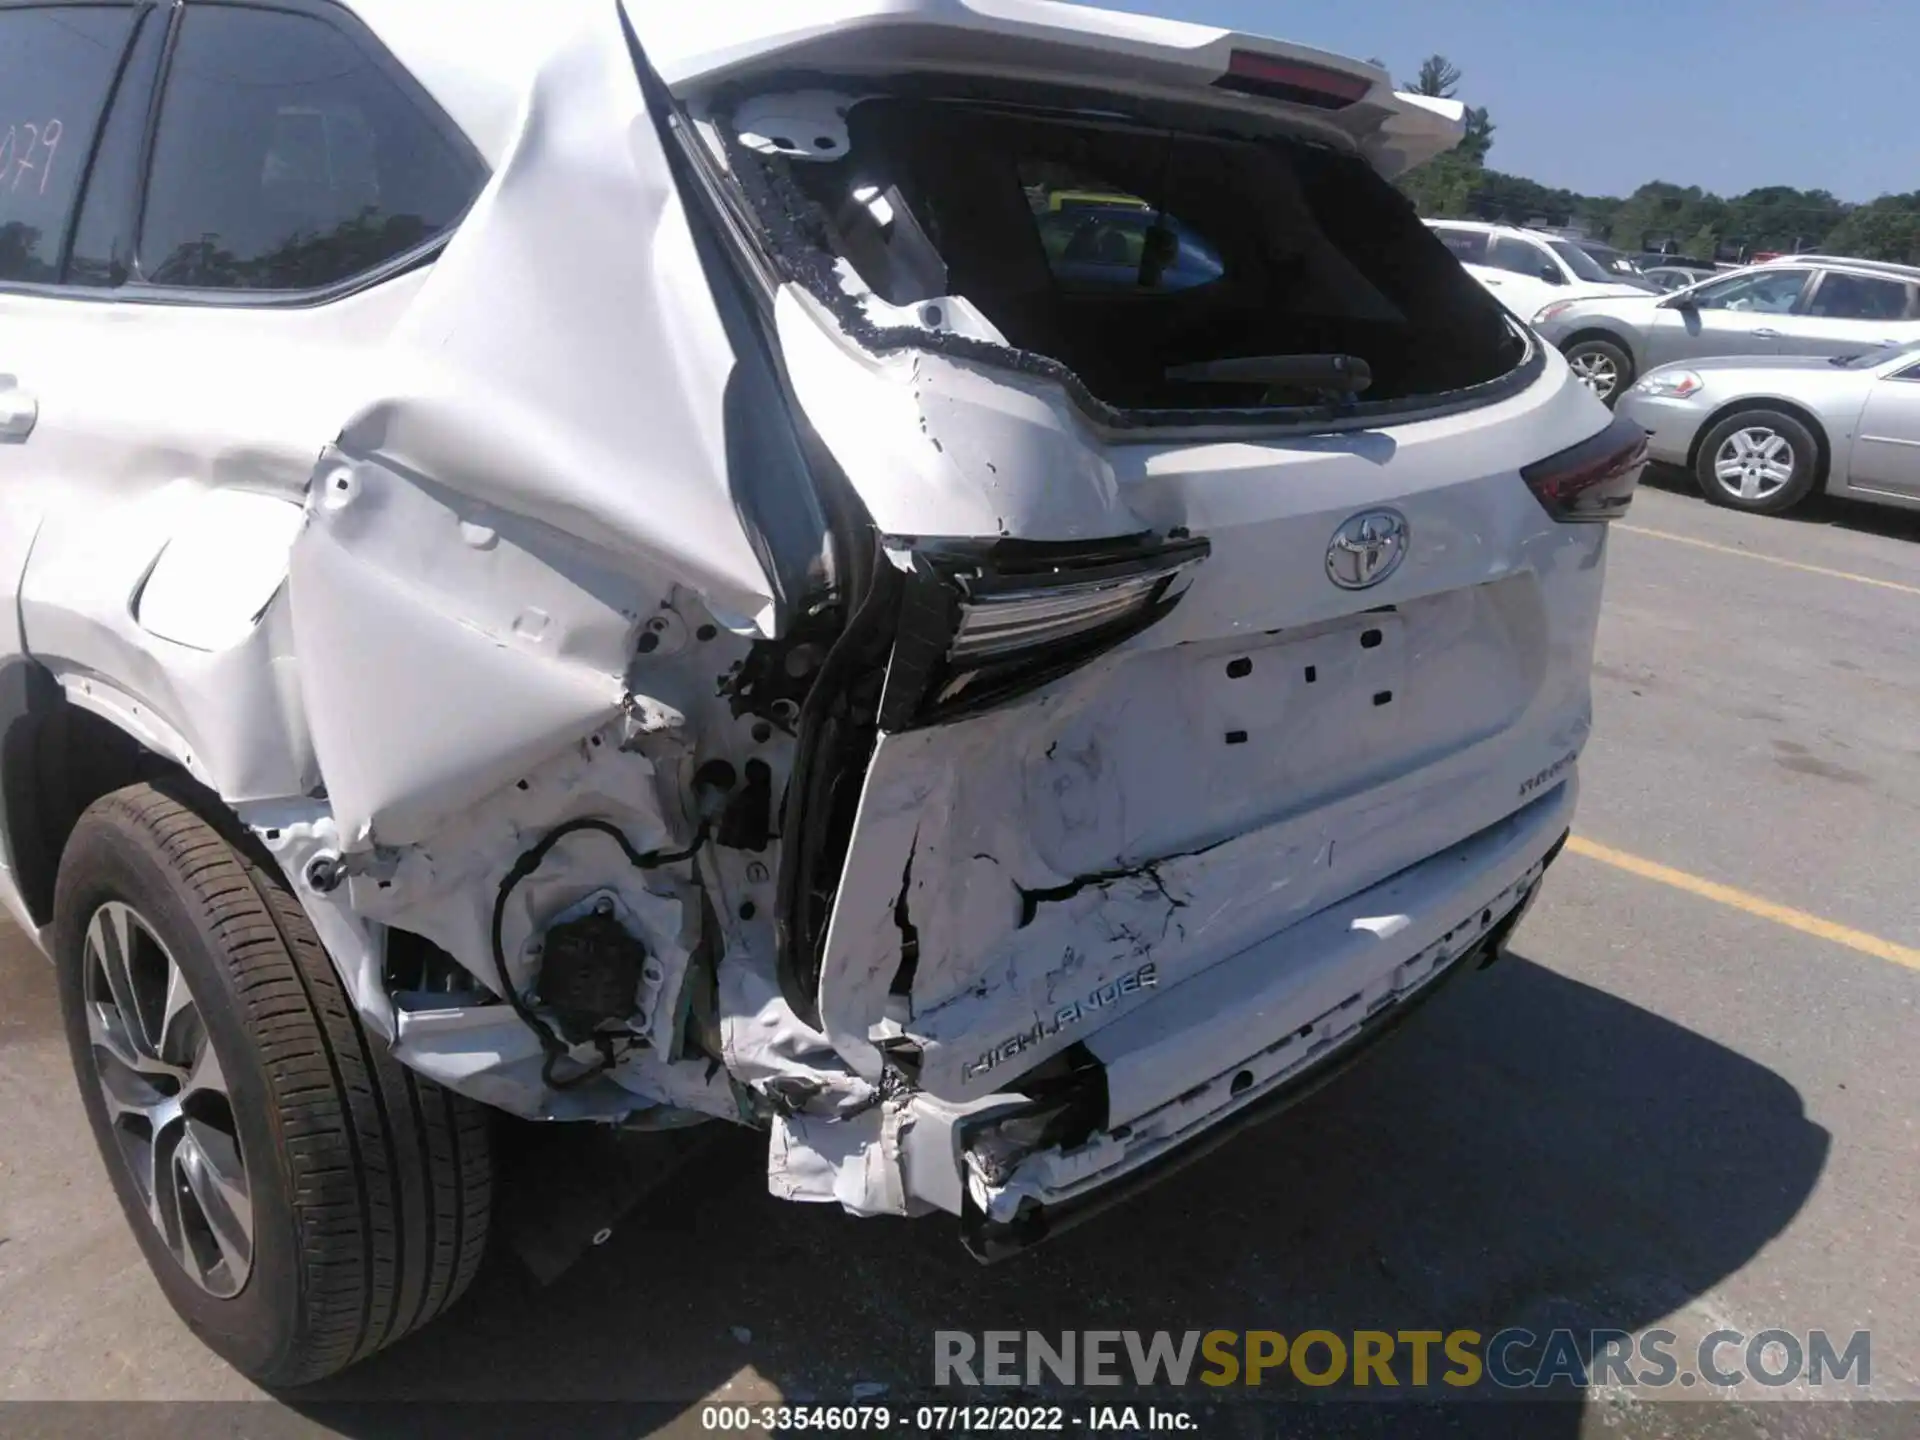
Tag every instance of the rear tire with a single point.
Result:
(1603, 367)
(1762, 461)
(301, 1198)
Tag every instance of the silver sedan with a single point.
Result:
(1762, 433)
(1810, 305)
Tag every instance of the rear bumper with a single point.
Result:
(1288, 1013)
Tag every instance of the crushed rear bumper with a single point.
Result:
(1148, 1094)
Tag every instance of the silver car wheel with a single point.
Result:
(167, 1100)
(1755, 463)
(1597, 372)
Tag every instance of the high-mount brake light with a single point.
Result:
(1298, 81)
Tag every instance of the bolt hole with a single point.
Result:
(1239, 669)
(706, 632)
(748, 910)
(341, 483)
(649, 643)
(716, 775)
(1236, 737)
(1486, 918)
(1120, 1132)
(762, 732)
(596, 742)
(273, 834)
(930, 314)
(1370, 639)
(1242, 1083)
(521, 785)
(1313, 674)
(1384, 697)
(823, 142)
(784, 142)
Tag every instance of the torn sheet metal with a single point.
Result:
(1077, 853)
(564, 361)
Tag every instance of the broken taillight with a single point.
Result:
(981, 623)
(1298, 81)
(1593, 480)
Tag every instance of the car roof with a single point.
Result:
(1844, 262)
(1490, 227)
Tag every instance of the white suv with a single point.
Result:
(1525, 269)
(990, 611)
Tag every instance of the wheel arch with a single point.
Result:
(56, 759)
(1602, 333)
(1823, 443)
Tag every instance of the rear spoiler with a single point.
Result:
(698, 49)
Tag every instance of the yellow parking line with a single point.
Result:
(1772, 559)
(1753, 904)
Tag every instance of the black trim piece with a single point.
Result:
(123, 73)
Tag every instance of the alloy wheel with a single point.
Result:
(167, 1100)
(1597, 372)
(1755, 463)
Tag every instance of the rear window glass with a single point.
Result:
(57, 65)
(1247, 249)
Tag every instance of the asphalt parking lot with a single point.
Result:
(1691, 1094)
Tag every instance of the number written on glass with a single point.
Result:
(28, 151)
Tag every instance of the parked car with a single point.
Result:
(1798, 307)
(1525, 269)
(1617, 264)
(1668, 278)
(545, 569)
(1651, 259)
(1763, 433)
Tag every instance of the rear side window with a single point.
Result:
(289, 158)
(1860, 297)
(1523, 257)
(1469, 247)
(57, 66)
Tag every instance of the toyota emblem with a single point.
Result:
(1367, 549)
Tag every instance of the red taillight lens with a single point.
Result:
(1297, 80)
(1593, 480)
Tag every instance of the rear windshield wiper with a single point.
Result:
(1336, 374)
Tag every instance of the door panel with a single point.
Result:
(1744, 314)
(1886, 452)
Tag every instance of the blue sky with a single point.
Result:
(1601, 95)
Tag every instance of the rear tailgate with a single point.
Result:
(697, 49)
(1277, 742)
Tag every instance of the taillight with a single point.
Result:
(1593, 480)
(1298, 81)
(982, 623)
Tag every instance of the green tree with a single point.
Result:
(1479, 137)
(1438, 76)
(1884, 229)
